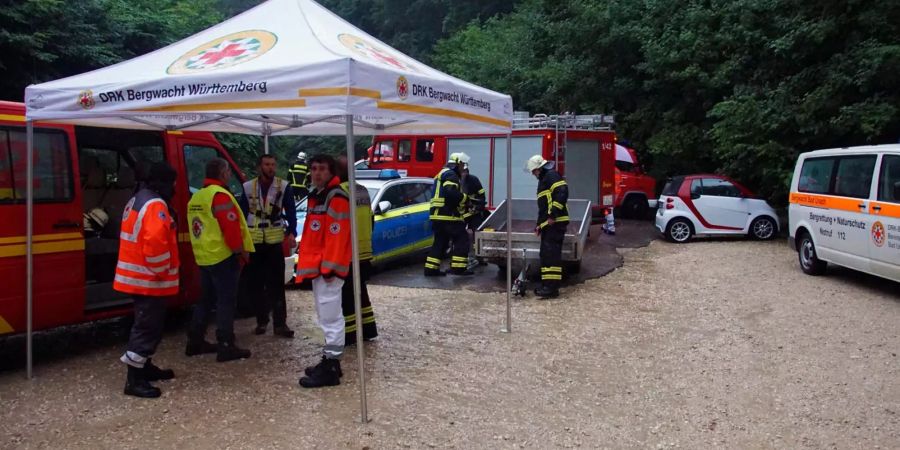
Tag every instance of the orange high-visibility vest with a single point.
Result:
(325, 247)
(148, 248)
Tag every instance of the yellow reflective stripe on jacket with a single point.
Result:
(557, 184)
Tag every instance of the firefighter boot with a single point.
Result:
(463, 272)
(309, 371)
(153, 373)
(137, 385)
(228, 351)
(283, 331)
(434, 273)
(324, 374)
(199, 346)
(547, 291)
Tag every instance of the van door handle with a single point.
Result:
(66, 224)
(861, 205)
(876, 208)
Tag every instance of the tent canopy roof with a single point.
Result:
(283, 67)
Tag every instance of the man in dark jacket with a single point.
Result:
(553, 218)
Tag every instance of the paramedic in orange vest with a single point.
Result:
(324, 257)
(221, 243)
(148, 271)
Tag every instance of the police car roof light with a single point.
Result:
(377, 174)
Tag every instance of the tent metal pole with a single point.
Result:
(507, 328)
(357, 276)
(265, 133)
(29, 235)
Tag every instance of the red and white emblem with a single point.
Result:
(878, 234)
(334, 228)
(402, 87)
(227, 51)
(197, 227)
(315, 225)
(373, 52)
(86, 99)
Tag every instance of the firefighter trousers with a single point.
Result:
(265, 283)
(370, 330)
(147, 330)
(445, 232)
(551, 254)
(327, 294)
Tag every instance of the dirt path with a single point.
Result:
(708, 345)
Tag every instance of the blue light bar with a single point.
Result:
(377, 174)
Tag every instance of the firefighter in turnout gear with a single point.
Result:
(553, 218)
(299, 173)
(148, 270)
(221, 243)
(268, 205)
(475, 206)
(365, 222)
(324, 257)
(447, 208)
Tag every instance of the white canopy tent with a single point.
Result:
(283, 67)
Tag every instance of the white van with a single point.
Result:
(845, 209)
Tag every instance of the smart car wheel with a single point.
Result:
(679, 230)
(806, 251)
(763, 228)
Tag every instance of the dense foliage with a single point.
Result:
(736, 86)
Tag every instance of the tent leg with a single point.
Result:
(507, 327)
(29, 233)
(357, 302)
(265, 141)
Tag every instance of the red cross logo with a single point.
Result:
(213, 57)
(878, 234)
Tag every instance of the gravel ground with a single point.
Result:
(715, 344)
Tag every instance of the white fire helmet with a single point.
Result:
(535, 162)
(301, 155)
(95, 220)
(458, 158)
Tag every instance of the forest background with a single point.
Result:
(739, 87)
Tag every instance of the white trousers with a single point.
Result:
(331, 317)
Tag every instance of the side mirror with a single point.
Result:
(383, 207)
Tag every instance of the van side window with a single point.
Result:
(853, 177)
(625, 166)
(425, 150)
(383, 151)
(195, 159)
(815, 175)
(696, 187)
(889, 187)
(404, 152)
(52, 166)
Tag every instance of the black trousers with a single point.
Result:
(445, 232)
(300, 193)
(265, 284)
(219, 282)
(149, 321)
(551, 253)
(370, 330)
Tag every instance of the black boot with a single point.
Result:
(260, 329)
(137, 385)
(312, 369)
(153, 373)
(228, 351)
(464, 272)
(547, 291)
(199, 346)
(283, 331)
(327, 373)
(434, 273)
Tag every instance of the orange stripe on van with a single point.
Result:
(12, 117)
(41, 238)
(5, 327)
(9, 251)
(826, 201)
(887, 209)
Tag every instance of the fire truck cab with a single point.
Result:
(83, 178)
(635, 190)
(583, 148)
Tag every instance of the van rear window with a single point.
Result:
(815, 175)
(52, 166)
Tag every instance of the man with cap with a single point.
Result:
(447, 208)
(147, 270)
(553, 218)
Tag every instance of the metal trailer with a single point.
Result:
(490, 238)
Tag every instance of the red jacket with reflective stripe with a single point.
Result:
(325, 246)
(148, 248)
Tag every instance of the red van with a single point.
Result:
(83, 177)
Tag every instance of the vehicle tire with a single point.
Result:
(634, 207)
(806, 254)
(763, 228)
(679, 230)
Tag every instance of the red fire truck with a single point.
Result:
(83, 177)
(582, 146)
(635, 190)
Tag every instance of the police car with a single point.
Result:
(400, 206)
